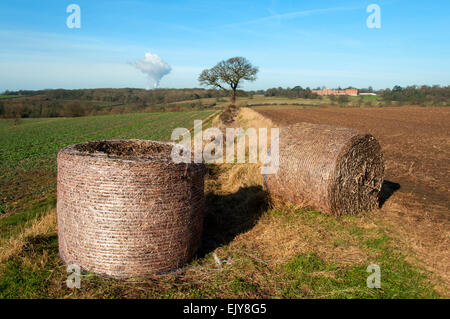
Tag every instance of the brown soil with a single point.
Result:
(416, 146)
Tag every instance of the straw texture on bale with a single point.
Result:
(338, 171)
(126, 209)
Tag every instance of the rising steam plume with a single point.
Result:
(154, 67)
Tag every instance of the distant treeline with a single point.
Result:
(121, 95)
(413, 95)
(423, 95)
(72, 103)
(304, 93)
(295, 92)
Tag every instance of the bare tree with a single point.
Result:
(229, 73)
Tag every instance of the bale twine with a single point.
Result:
(332, 169)
(126, 209)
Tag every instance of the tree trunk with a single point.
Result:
(233, 97)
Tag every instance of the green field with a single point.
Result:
(28, 148)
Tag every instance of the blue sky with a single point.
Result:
(307, 43)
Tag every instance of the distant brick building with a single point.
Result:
(352, 92)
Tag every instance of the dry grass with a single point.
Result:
(284, 232)
(249, 118)
(277, 239)
(43, 226)
(422, 238)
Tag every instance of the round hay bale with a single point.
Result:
(126, 209)
(334, 170)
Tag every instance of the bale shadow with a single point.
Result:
(387, 190)
(39, 243)
(230, 215)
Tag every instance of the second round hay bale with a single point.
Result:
(126, 209)
(336, 170)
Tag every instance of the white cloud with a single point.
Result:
(154, 67)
